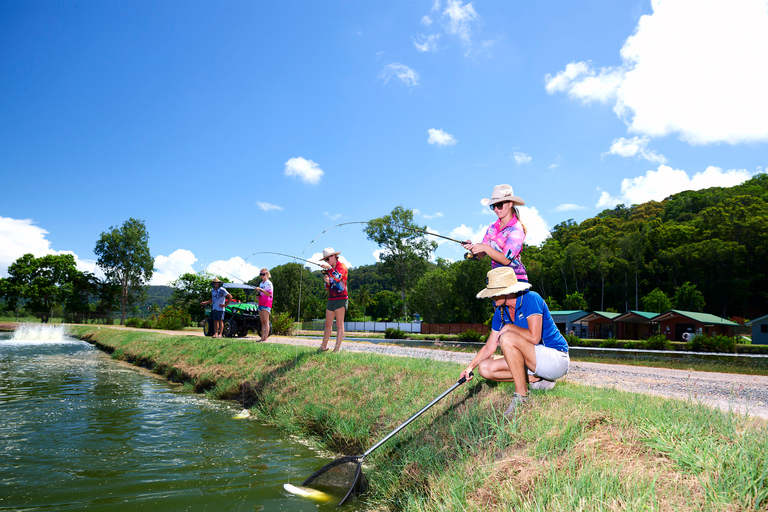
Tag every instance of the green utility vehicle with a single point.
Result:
(239, 317)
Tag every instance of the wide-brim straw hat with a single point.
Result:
(328, 252)
(502, 281)
(502, 193)
(216, 280)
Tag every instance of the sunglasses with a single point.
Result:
(497, 206)
(263, 274)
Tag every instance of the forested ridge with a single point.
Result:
(715, 239)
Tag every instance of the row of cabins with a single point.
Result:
(637, 325)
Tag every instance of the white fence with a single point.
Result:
(413, 327)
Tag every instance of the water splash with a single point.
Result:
(51, 333)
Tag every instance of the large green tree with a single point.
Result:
(45, 282)
(189, 290)
(406, 249)
(125, 259)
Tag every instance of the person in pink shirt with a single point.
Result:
(338, 297)
(266, 294)
(503, 241)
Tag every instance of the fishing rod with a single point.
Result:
(468, 255)
(289, 256)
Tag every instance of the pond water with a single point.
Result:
(79, 430)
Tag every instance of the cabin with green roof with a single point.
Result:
(635, 325)
(674, 323)
(600, 324)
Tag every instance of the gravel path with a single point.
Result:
(745, 394)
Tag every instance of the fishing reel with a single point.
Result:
(469, 256)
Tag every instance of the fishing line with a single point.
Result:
(417, 230)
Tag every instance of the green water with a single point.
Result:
(80, 431)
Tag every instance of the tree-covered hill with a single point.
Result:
(715, 239)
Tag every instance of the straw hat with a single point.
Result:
(216, 280)
(328, 252)
(502, 281)
(502, 193)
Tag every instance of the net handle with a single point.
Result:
(409, 420)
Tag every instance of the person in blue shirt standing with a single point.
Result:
(535, 353)
(220, 297)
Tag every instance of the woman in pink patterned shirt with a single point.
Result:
(503, 241)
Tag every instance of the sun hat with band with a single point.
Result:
(502, 281)
(500, 194)
(216, 280)
(328, 252)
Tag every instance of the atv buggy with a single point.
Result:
(239, 317)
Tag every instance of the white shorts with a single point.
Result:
(551, 364)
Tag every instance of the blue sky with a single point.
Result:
(233, 128)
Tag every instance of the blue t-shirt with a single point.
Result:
(218, 295)
(528, 304)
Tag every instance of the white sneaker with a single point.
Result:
(518, 400)
(543, 384)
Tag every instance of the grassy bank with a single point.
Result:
(575, 448)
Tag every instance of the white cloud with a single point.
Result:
(171, 267)
(400, 71)
(426, 43)
(521, 158)
(459, 19)
(21, 236)
(440, 138)
(317, 258)
(467, 233)
(568, 207)
(306, 170)
(332, 217)
(695, 68)
(538, 229)
(426, 20)
(637, 147)
(234, 268)
(666, 181)
(435, 215)
(553, 166)
(581, 82)
(267, 206)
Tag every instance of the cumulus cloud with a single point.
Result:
(538, 228)
(234, 268)
(568, 207)
(521, 158)
(666, 181)
(317, 258)
(440, 137)
(693, 68)
(171, 267)
(267, 206)
(426, 43)
(637, 147)
(581, 82)
(460, 18)
(426, 20)
(467, 233)
(21, 236)
(306, 170)
(400, 71)
(426, 215)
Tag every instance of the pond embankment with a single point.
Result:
(578, 447)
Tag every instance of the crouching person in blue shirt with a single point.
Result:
(534, 350)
